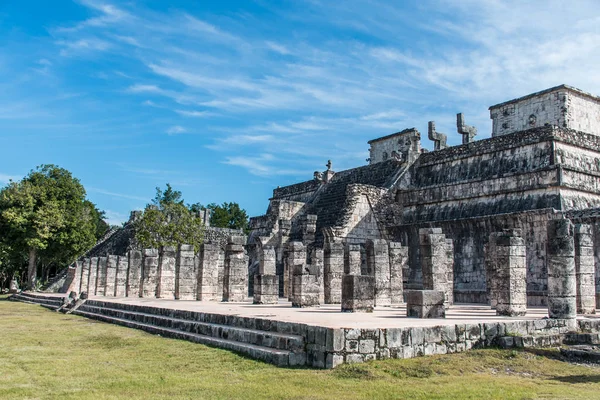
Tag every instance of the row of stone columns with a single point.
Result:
(318, 278)
(171, 273)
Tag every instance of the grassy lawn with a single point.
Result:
(45, 355)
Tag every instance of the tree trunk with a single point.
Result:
(32, 270)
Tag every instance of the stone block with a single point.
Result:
(333, 272)
(378, 263)
(111, 275)
(101, 279)
(186, 279)
(134, 275)
(358, 293)
(122, 271)
(425, 304)
(166, 273)
(210, 264)
(92, 282)
(149, 273)
(266, 289)
(235, 279)
(305, 291)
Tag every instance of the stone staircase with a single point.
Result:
(51, 302)
(224, 331)
(260, 339)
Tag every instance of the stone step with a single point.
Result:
(46, 301)
(281, 341)
(261, 324)
(281, 358)
(582, 338)
(507, 342)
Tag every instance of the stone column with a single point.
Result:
(317, 268)
(491, 269)
(149, 273)
(585, 270)
(561, 270)
(511, 273)
(333, 272)
(186, 279)
(358, 291)
(296, 262)
(101, 281)
(134, 275)
(93, 276)
(398, 262)
(378, 260)
(309, 229)
(111, 275)
(352, 260)
(266, 282)
(77, 278)
(122, 271)
(208, 273)
(450, 271)
(435, 263)
(235, 280)
(285, 226)
(166, 273)
(85, 275)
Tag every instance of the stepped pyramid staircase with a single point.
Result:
(261, 339)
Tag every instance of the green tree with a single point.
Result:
(168, 222)
(228, 215)
(45, 216)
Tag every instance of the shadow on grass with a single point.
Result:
(577, 379)
(551, 353)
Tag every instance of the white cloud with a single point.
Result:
(176, 129)
(114, 194)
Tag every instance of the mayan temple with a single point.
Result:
(541, 163)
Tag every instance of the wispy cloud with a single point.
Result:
(176, 129)
(114, 194)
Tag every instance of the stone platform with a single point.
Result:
(321, 337)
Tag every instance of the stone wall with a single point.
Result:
(561, 106)
(404, 146)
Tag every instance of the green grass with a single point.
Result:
(45, 355)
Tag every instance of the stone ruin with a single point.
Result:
(510, 221)
(472, 223)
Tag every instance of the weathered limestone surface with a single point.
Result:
(561, 270)
(208, 273)
(101, 280)
(266, 282)
(398, 263)
(333, 272)
(166, 273)
(235, 280)
(436, 262)
(134, 275)
(185, 270)
(358, 293)
(296, 263)
(317, 268)
(352, 260)
(511, 271)
(305, 290)
(111, 274)
(378, 260)
(149, 273)
(425, 304)
(91, 290)
(585, 270)
(122, 271)
(85, 275)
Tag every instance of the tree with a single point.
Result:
(228, 215)
(46, 215)
(168, 222)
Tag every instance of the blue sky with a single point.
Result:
(226, 100)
